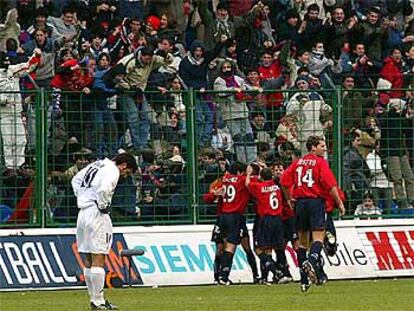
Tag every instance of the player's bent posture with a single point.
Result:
(304, 183)
(215, 195)
(232, 221)
(93, 187)
(269, 235)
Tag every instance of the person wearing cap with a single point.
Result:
(138, 67)
(310, 110)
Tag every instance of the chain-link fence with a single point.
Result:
(184, 140)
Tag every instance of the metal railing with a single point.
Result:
(182, 141)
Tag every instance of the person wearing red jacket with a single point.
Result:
(71, 77)
(310, 177)
(393, 72)
(270, 69)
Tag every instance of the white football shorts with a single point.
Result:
(93, 231)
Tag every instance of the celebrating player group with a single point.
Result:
(292, 205)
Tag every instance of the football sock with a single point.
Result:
(268, 263)
(301, 252)
(87, 275)
(252, 262)
(97, 281)
(282, 262)
(263, 271)
(315, 253)
(217, 269)
(226, 263)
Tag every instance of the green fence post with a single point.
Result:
(338, 139)
(41, 158)
(192, 155)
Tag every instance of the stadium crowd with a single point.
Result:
(116, 75)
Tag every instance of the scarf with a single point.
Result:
(231, 81)
(194, 61)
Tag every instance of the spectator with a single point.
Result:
(261, 129)
(372, 33)
(138, 66)
(394, 151)
(356, 172)
(288, 28)
(287, 131)
(380, 186)
(368, 207)
(393, 72)
(40, 18)
(64, 25)
(49, 49)
(310, 110)
(354, 104)
(235, 112)
(13, 134)
(193, 71)
(104, 135)
(362, 67)
(102, 12)
(311, 28)
(10, 29)
(63, 202)
(338, 32)
(271, 69)
(321, 67)
(168, 28)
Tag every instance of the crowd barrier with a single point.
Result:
(184, 255)
(171, 135)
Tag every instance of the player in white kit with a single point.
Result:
(94, 187)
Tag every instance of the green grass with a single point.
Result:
(335, 295)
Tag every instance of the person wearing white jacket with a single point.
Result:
(310, 110)
(12, 130)
(381, 187)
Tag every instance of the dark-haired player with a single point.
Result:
(290, 233)
(304, 183)
(94, 187)
(232, 221)
(269, 232)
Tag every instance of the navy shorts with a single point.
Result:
(310, 214)
(216, 235)
(233, 227)
(290, 232)
(269, 232)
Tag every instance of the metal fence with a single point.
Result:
(183, 141)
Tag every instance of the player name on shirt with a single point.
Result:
(269, 189)
(230, 179)
(307, 162)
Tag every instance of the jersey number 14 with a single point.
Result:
(305, 178)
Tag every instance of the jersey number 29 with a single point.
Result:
(229, 193)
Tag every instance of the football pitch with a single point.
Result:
(335, 295)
